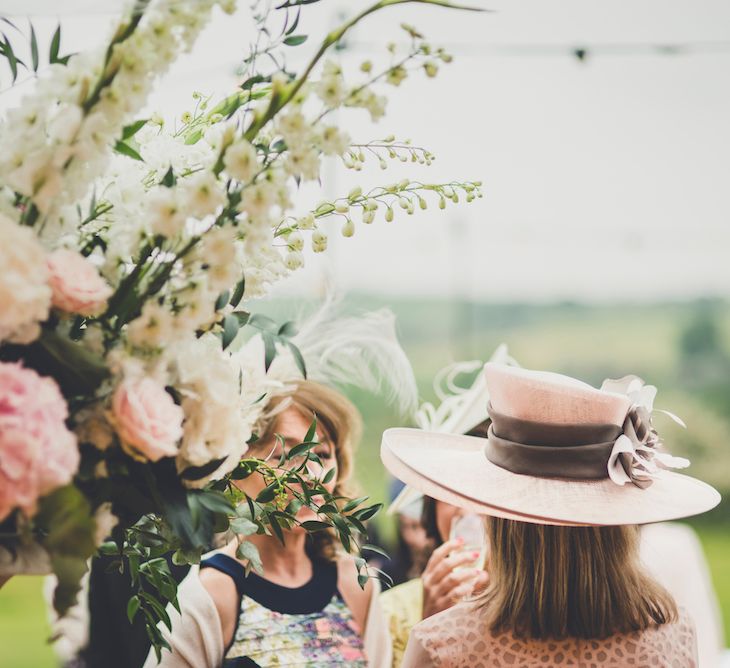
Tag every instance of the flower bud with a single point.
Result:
(342, 207)
(348, 229)
(431, 68)
(366, 66)
(319, 241)
(295, 241)
(389, 214)
(354, 193)
(422, 203)
(442, 202)
(306, 222)
(294, 260)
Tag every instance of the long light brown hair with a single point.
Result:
(578, 582)
(341, 423)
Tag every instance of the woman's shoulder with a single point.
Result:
(462, 626)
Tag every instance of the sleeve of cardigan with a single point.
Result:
(196, 640)
(376, 639)
(416, 655)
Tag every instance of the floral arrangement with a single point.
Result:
(129, 250)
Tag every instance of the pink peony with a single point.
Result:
(148, 421)
(76, 284)
(37, 451)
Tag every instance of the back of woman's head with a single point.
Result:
(580, 582)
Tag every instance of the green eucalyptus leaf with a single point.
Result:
(248, 551)
(287, 330)
(329, 475)
(354, 503)
(299, 449)
(311, 435)
(230, 329)
(55, 45)
(132, 608)
(268, 493)
(198, 472)
(242, 317)
(194, 137)
(263, 322)
(243, 526)
(222, 300)
(295, 40)
(252, 81)
(310, 526)
(238, 294)
(125, 149)
(215, 502)
(169, 180)
(298, 358)
(376, 549)
(133, 128)
(366, 513)
(269, 349)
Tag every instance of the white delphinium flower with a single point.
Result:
(198, 305)
(367, 99)
(204, 194)
(331, 87)
(303, 161)
(240, 161)
(154, 328)
(166, 214)
(294, 128)
(333, 141)
(65, 123)
(161, 150)
(262, 266)
(258, 199)
(222, 253)
(24, 293)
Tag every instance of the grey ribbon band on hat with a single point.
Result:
(576, 451)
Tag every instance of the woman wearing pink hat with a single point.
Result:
(566, 474)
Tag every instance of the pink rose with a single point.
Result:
(38, 453)
(148, 421)
(76, 284)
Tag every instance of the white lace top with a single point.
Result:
(460, 637)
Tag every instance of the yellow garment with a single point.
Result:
(403, 608)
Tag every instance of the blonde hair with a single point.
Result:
(340, 421)
(578, 582)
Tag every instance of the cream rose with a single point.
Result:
(147, 420)
(76, 284)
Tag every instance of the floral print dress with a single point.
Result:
(281, 626)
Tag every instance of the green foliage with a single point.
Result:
(66, 529)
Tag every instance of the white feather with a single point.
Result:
(359, 350)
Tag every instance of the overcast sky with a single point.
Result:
(604, 180)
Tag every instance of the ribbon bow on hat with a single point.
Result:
(636, 457)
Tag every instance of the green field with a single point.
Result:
(684, 349)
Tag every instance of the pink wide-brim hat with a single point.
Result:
(456, 469)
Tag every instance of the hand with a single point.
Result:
(442, 585)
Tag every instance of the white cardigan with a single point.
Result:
(197, 638)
